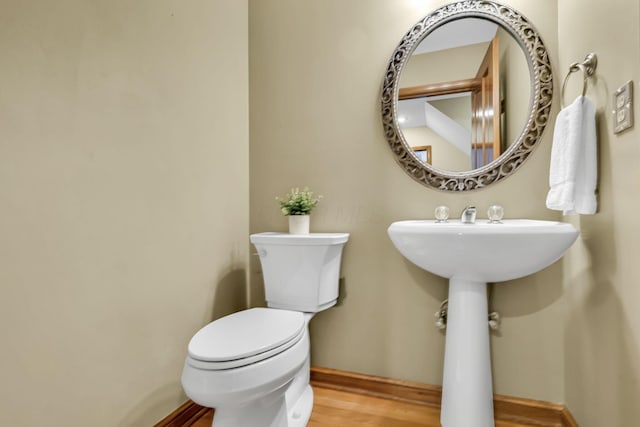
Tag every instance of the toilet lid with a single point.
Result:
(246, 333)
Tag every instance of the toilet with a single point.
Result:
(253, 366)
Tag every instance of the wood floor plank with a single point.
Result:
(371, 408)
(205, 421)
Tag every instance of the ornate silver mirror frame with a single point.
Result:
(540, 101)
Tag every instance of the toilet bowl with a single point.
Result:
(253, 366)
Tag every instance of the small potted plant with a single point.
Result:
(297, 205)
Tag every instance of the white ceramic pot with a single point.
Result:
(298, 224)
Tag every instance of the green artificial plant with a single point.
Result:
(298, 202)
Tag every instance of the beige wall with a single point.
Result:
(315, 87)
(123, 189)
(123, 199)
(602, 320)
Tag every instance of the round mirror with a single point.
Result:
(466, 95)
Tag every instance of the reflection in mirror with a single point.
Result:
(465, 92)
(423, 152)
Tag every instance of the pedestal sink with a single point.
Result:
(470, 255)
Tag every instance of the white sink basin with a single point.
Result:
(470, 255)
(483, 252)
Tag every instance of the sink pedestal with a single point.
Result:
(467, 393)
(470, 256)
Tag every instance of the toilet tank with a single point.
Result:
(301, 271)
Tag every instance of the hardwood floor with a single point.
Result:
(205, 421)
(334, 408)
(339, 408)
(349, 399)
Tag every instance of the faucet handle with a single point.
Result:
(442, 214)
(495, 214)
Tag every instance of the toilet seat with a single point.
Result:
(244, 338)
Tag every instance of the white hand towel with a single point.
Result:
(574, 165)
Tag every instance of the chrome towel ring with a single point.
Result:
(588, 67)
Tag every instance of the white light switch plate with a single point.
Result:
(623, 108)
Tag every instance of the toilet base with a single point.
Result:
(263, 413)
(277, 409)
(272, 414)
(299, 415)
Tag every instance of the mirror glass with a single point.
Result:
(464, 95)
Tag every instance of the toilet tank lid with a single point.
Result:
(245, 333)
(274, 238)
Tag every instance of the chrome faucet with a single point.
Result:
(468, 215)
